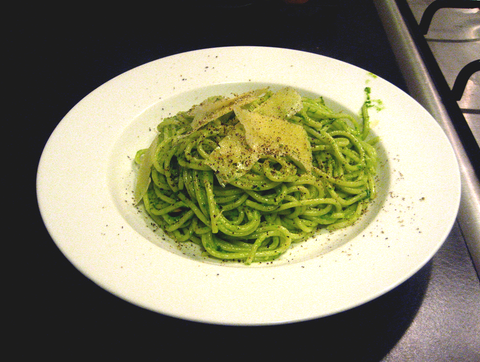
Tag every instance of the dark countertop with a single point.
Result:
(55, 60)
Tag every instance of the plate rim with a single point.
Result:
(215, 282)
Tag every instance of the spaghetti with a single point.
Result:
(223, 176)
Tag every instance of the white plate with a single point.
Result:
(85, 183)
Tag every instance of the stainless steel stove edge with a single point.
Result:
(422, 88)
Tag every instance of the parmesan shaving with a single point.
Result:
(276, 137)
(263, 132)
(143, 177)
(210, 111)
(233, 157)
(283, 104)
